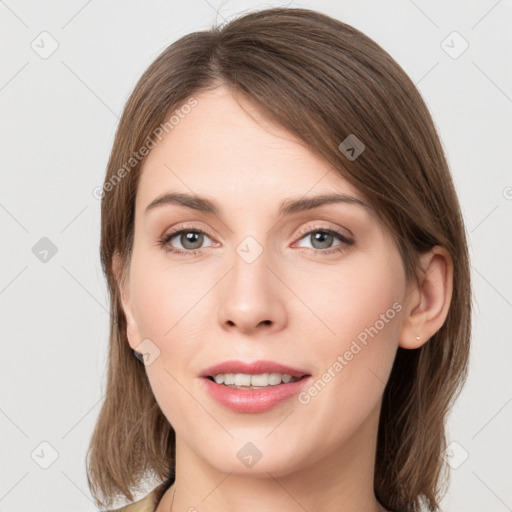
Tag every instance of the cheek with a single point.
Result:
(164, 296)
(344, 302)
(172, 305)
(353, 334)
(354, 363)
(166, 306)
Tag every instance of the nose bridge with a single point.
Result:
(251, 296)
(250, 265)
(250, 276)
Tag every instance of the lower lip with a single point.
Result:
(253, 401)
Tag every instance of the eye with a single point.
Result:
(187, 241)
(322, 240)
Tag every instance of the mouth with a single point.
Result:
(257, 381)
(255, 375)
(252, 388)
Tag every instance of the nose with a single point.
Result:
(252, 298)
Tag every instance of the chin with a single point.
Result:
(256, 457)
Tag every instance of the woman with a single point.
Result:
(289, 278)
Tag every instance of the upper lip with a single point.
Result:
(254, 368)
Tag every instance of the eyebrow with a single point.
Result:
(289, 206)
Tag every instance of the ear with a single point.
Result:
(123, 284)
(428, 304)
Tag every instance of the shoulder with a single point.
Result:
(146, 504)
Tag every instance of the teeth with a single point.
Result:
(242, 379)
(260, 380)
(229, 378)
(274, 379)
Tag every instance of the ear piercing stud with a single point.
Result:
(418, 338)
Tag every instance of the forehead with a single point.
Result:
(225, 147)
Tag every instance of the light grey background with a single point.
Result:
(59, 116)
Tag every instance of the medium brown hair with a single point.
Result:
(322, 80)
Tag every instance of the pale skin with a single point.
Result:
(294, 304)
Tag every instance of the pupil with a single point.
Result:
(188, 238)
(322, 237)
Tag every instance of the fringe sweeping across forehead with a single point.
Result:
(322, 80)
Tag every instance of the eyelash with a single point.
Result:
(165, 239)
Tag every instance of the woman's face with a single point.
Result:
(257, 281)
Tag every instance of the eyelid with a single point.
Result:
(336, 231)
(185, 227)
(344, 241)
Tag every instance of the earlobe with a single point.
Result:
(123, 286)
(428, 304)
